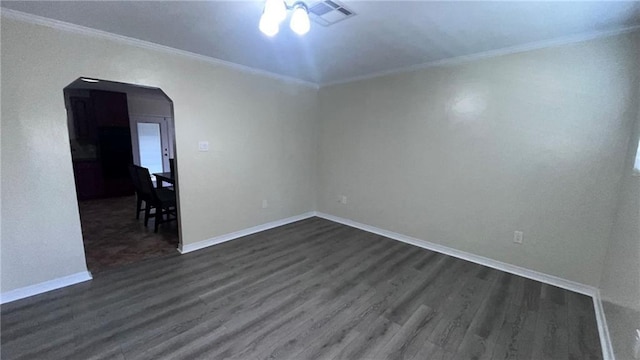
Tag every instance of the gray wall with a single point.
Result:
(465, 155)
(620, 286)
(460, 155)
(260, 130)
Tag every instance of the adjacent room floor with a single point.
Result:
(308, 290)
(113, 237)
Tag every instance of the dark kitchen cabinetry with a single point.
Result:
(110, 109)
(101, 145)
(88, 175)
(84, 124)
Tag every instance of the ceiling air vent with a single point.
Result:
(329, 12)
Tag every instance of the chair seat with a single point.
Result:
(166, 196)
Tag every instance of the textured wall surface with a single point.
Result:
(465, 155)
(260, 131)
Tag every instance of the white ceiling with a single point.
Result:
(383, 36)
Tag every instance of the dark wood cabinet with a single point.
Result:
(115, 155)
(83, 122)
(101, 123)
(110, 108)
(89, 182)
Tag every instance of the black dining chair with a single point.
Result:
(136, 185)
(162, 200)
(172, 170)
(172, 167)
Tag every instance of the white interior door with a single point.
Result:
(151, 142)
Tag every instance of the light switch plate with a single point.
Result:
(203, 146)
(518, 237)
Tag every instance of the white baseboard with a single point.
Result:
(43, 287)
(603, 328)
(183, 249)
(512, 269)
(54, 284)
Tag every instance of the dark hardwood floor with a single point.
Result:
(309, 290)
(113, 237)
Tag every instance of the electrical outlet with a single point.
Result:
(636, 345)
(203, 146)
(265, 204)
(343, 199)
(518, 237)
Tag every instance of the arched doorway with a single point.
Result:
(114, 130)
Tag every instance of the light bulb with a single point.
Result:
(268, 25)
(300, 22)
(276, 9)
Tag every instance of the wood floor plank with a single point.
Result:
(412, 299)
(368, 342)
(459, 312)
(430, 351)
(313, 289)
(266, 338)
(104, 291)
(583, 336)
(518, 327)
(332, 311)
(481, 337)
(410, 337)
(306, 284)
(330, 339)
(328, 270)
(551, 339)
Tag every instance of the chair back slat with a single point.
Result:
(144, 182)
(134, 178)
(172, 167)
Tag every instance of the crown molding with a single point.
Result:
(458, 60)
(82, 30)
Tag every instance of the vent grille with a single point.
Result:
(329, 12)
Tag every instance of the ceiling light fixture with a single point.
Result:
(268, 25)
(275, 12)
(276, 9)
(300, 23)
